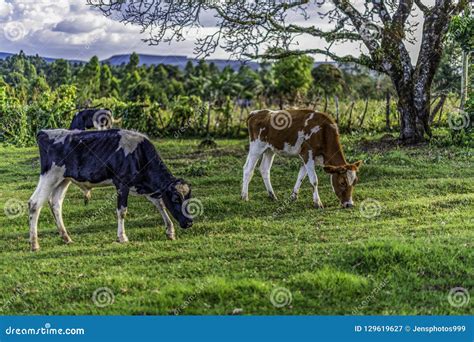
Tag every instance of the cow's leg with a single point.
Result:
(265, 167)
(168, 223)
(301, 176)
(313, 179)
(255, 152)
(122, 203)
(87, 196)
(87, 193)
(46, 184)
(56, 205)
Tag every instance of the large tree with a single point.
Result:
(383, 27)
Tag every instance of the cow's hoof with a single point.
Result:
(171, 237)
(122, 239)
(272, 196)
(67, 240)
(318, 205)
(244, 197)
(35, 247)
(293, 196)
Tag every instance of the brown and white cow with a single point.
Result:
(312, 136)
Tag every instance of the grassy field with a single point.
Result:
(405, 245)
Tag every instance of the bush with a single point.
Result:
(20, 123)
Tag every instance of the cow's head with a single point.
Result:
(343, 180)
(175, 197)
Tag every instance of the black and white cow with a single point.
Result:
(98, 118)
(124, 159)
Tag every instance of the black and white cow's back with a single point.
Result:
(119, 156)
(125, 159)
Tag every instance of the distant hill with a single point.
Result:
(4, 55)
(179, 61)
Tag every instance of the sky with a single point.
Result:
(73, 30)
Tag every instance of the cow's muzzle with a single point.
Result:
(348, 205)
(186, 224)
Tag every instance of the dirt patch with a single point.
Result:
(385, 143)
(202, 154)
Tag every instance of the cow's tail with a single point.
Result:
(43, 144)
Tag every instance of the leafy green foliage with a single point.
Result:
(461, 29)
(201, 100)
(293, 77)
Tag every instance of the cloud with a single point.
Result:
(5, 9)
(60, 28)
(79, 24)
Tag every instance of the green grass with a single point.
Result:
(332, 261)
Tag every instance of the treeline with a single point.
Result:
(200, 100)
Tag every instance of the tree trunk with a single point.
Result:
(208, 125)
(336, 100)
(438, 107)
(387, 111)
(361, 122)
(440, 114)
(413, 82)
(241, 116)
(413, 92)
(316, 102)
(412, 115)
(464, 79)
(326, 103)
(349, 123)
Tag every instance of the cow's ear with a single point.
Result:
(334, 169)
(357, 164)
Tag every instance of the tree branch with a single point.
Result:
(362, 60)
(425, 9)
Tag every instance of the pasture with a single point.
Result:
(405, 245)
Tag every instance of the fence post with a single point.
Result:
(387, 111)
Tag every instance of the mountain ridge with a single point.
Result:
(147, 59)
(176, 60)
